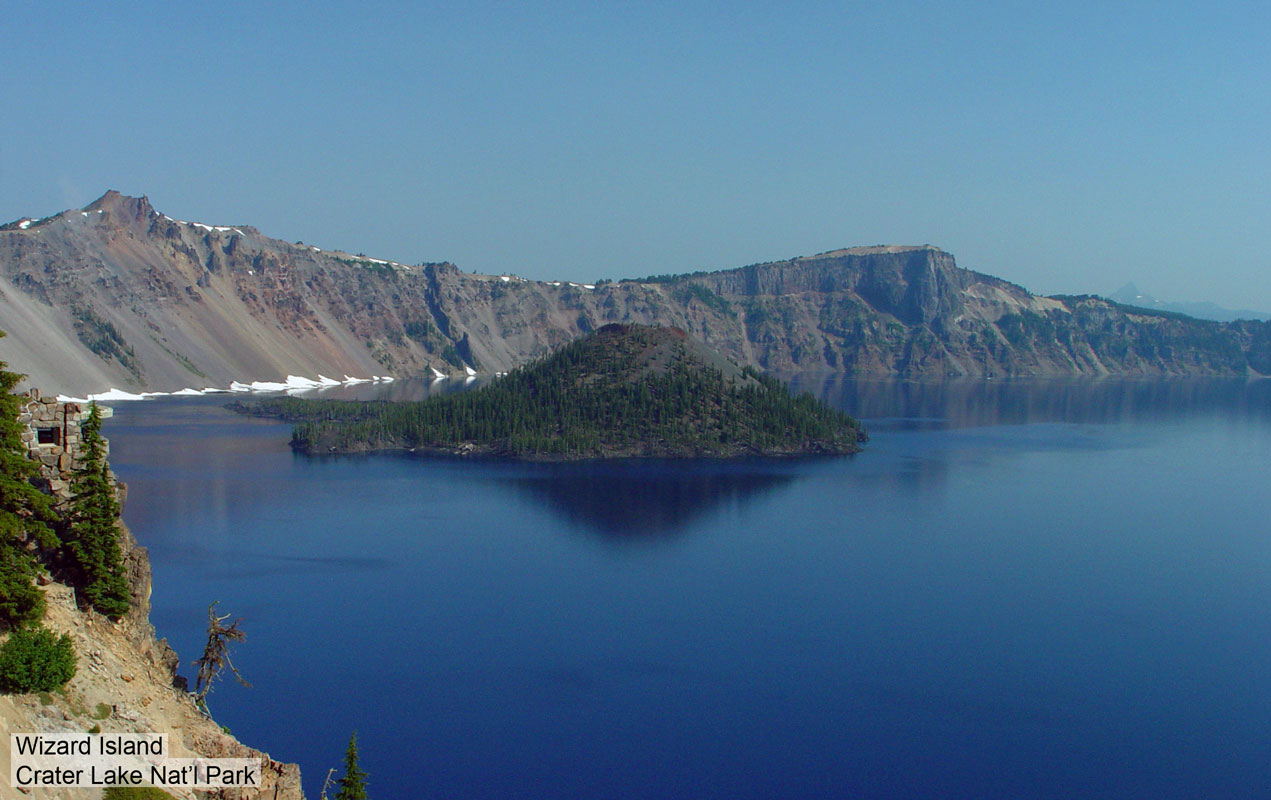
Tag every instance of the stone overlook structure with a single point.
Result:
(52, 438)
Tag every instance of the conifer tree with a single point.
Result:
(24, 515)
(92, 536)
(353, 784)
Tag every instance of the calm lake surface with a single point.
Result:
(1020, 589)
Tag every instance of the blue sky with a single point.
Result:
(1068, 147)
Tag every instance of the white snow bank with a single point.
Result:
(115, 394)
(24, 224)
(354, 381)
(469, 370)
(440, 375)
(214, 390)
(386, 379)
(66, 398)
(267, 386)
(235, 386)
(187, 392)
(323, 380)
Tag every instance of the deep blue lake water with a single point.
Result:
(1020, 589)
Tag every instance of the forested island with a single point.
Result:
(621, 391)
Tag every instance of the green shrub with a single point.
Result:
(36, 660)
(103, 711)
(135, 793)
(419, 330)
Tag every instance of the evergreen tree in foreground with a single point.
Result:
(353, 784)
(32, 658)
(24, 515)
(92, 536)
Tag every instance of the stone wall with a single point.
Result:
(52, 438)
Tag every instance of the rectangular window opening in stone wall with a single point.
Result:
(48, 436)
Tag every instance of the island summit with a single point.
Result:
(621, 391)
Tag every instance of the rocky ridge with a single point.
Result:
(118, 294)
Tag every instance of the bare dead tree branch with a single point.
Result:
(327, 784)
(216, 654)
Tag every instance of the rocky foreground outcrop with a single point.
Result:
(125, 679)
(117, 294)
(124, 683)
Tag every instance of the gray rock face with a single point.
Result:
(117, 294)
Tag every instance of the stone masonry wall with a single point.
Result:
(58, 459)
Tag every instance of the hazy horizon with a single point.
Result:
(1068, 150)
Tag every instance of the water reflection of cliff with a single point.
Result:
(961, 403)
(647, 500)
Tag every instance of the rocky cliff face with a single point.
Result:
(117, 294)
(125, 679)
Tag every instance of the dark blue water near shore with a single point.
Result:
(1021, 589)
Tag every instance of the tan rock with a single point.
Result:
(123, 667)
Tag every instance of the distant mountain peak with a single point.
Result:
(1131, 295)
(122, 205)
(107, 200)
